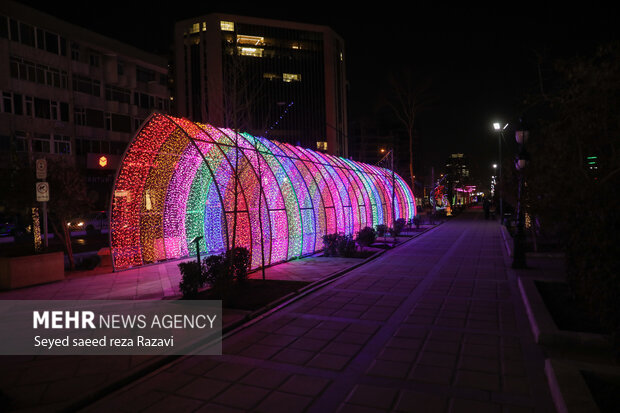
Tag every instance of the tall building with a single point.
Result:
(69, 92)
(276, 79)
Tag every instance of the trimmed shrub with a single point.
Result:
(399, 225)
(330, 245)
(346, 246)
(381, 230)
(366, 236)
(239, 262)
(192, 278)
(336, 245)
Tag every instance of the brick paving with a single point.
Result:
(51, 383)
(434, 325)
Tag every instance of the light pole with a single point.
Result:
(390, 153)
(498, 128)
(518, 258)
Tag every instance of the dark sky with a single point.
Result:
(481, 59)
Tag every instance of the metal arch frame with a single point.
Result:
(321, 178)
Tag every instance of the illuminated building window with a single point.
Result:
(246, 40)
(321, 146)
(291, 77)
(250, 51)
(227, 26)
(197, 27)
(271, 76)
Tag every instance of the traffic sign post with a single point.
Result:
(42, 190)
(41, 169)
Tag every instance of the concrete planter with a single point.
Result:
(16, 272)
(544, 329)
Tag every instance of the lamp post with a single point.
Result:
(390, 153)
(518, 257)
(498, 128)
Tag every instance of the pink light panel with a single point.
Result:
(180, 179)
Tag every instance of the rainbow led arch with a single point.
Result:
(177, 181)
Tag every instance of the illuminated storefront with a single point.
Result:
(179, 180)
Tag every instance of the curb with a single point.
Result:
(227, 331)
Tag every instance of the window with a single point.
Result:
(4, 27)
(117, 123)
(75, 51)
(29, 106)
(246, 40)
(62, 144)
(271, 76)
(250, 51)
(227, 26)
(12, 103)
(26, 34)
(51, 42)
(18, 105)
(117, 94)
(94, 118)
(42, 108)
(86, 85)
(7, 102)
(5, 143)
(94, 60)
(21, 141)
(197, 27)
(41, 143)
(79, 116)
(291, 77)
(88, 117)
(144, 75)
(321, 146)
(25, 70)
(120, 68)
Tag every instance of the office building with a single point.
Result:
(275, 79)
(69, 92)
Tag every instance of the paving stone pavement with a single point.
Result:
(434, 325)
(51, 383)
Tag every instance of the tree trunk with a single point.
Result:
(411, 161)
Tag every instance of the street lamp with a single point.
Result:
(521, 160)
(390, 153)
(498, 128)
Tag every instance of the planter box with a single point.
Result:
(28, 270)
(545, 330)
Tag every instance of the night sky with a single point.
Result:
(481, 60)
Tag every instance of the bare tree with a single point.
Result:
(68, 199)
(409, 96)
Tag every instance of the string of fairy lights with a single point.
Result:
(179, 180)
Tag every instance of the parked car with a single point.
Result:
(95, 222)
(9, 227)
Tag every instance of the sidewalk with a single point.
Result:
(434, 325)
(40, 383)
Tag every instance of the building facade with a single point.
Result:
(72, 93)
(271, 78)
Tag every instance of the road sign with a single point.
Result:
(43, 191)
(41, 169)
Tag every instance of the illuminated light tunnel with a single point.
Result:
(177, 181)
